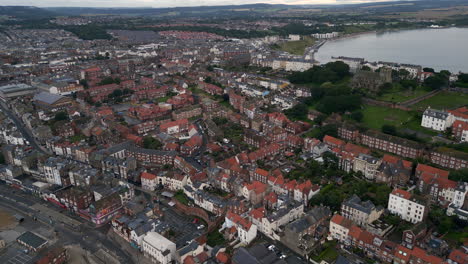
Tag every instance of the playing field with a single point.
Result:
(443, 100)
(376, 116)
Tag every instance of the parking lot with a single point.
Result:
(20, 258)
(184, 227)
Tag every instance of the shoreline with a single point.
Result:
(354, 35)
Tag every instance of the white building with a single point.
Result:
(325, 35)
(339, 227)
(148, 181)
(436, 119)
(292, 64)
(401, 204)
(246, 231)
(294, 37)
(158, 248)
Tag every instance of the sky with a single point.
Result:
(167, 3)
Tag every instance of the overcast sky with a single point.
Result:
(166, 3)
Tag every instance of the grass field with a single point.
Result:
(443, 100)
(376, 116)
(296, 47)
(397, 96)
(329, 254)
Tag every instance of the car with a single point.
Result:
(200, 227)
(271, 247)
(282, 256)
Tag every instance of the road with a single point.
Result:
(27, 134)
(88, 237)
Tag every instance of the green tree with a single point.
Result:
(151, 143)
(389, 129)
(60, 116)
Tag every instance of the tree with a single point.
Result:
(403, 74)
(389, 129)
(297, 112)
(60, 116)
(84, 83)
(357, 115)
(151, 143)
(428, 70)
(436, 81)
(463, 78)
(366, 68)
(330, 129)
(117, 93)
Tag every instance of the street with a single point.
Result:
(22, 128)
(67, 228)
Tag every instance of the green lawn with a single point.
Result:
(457, 238)
(443, 100)
(376, 116)
(296, 47)
(397, 96)
(329, 254)
(181, 197)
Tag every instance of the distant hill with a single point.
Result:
(26, 12)
(74, 11)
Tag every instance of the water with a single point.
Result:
(441, 49)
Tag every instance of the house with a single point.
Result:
(31, 241)
(158, 248)
(436, 119)
(403, 204)
(460, 130)
(174, 127)
(254, 192)
(339, 227)
(246, 231)
(360, 212)
(413, 235)
(449, 158)
(396, 145)
(192, 145)
(458, 256)
(302, 234)
(367, 165)
(260, 175)
(435, 183)
(394, 171)
(148, 181)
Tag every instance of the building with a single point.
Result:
(394, 171)
(31, 241)
(302, 234)
(148, 181)
(246, 231)
(158, 248)
(367, 165)
(400, 146)
(436, 119)
(16, 90)
(403, 204)
(460, 130)
(360, 212)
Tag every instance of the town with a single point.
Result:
(194, 142)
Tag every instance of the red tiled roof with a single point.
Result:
(333, 140)
(148, 176)
(222, 257)
(422, 168)
(340, 220)
(402, 193)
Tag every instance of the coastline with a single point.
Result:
(355, 35)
